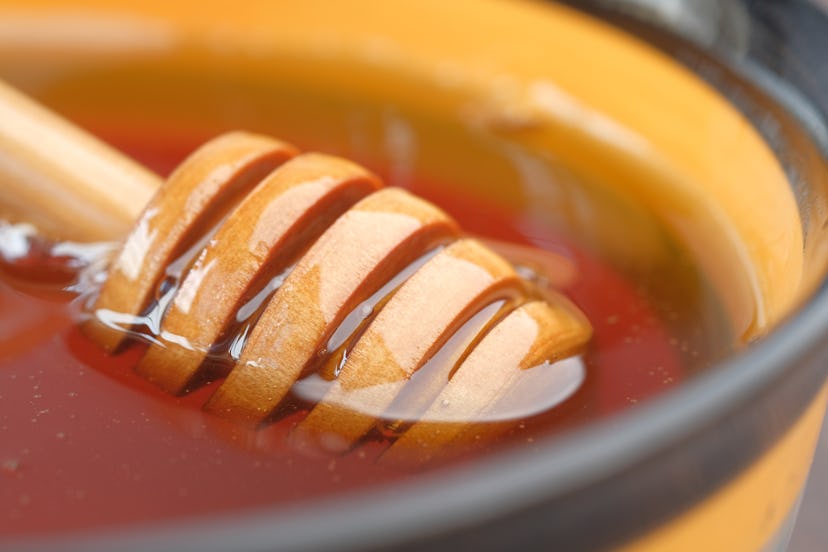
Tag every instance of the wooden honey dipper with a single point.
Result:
(294, 264)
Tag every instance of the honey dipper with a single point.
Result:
(296, 264)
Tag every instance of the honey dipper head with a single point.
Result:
(298, 277)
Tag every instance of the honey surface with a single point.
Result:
(85, 442)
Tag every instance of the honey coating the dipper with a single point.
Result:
(196, 196)
(259, 240)
(250, 258)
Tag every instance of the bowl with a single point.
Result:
(642, 131)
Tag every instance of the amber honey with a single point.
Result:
(88, 443)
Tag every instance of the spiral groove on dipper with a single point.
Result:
(262, 266)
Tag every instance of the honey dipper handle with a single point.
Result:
(62, 179)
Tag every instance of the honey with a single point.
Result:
(83, 422)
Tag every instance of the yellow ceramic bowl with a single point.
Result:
(482, 87)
